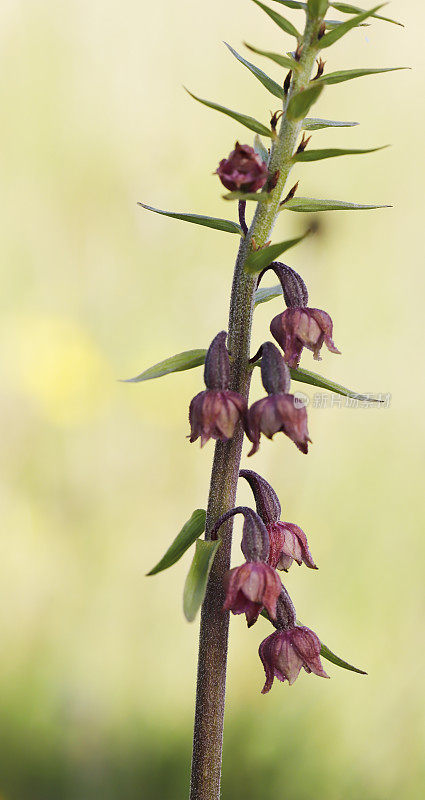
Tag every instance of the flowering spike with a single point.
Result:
(275, 374)
(243, 170)
(217, 364)
(266, 499)
(296, 328)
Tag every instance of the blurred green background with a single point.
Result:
(97, 665)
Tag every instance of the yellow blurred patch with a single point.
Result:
(60, 367)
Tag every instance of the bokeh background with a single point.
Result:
(97, 665)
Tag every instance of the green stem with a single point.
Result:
(213, 640)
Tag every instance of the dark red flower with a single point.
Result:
(302, 327)
(284, 652)
(250, 588)
(278, 412)
(215, 414)
(288, 543)
(243, 170)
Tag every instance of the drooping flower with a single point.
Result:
(279, 411)
(244, 170)
(288, 543)
(285, 652)
(250, 588)
(296, 328)
(215, 412)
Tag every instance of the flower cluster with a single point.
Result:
(255, 587)
(268, 543)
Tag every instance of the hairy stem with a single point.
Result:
(212, 662)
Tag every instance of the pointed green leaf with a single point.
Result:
(345, 8)
(244, 119)
(269, 83)
(310, 204)
(268, 293)
(330, 24)
(197, 219)
(284, 61)
(300, 103)
(295, 4)
(191, 531)
(332, 152)
(337, 33)
(260, 149)
(258, 197)
(305, 376)
(316, 124)
(339, 662)
(197, 578)
(259, 259)
(283, 23)
(349, 74)
(178, 363)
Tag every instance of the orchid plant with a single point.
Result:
(257, 175)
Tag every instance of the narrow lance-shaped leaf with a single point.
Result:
(332, 152)
(197, 578)
(178, 363)
(318, 8)
(305, 376)
(325, 652)
(316, 124)
(283, 23)
(268, 82)
(267, 293)
(330, 38)
(350, 74)
(346, 8)
(197, 219)
(259, 259)
(191, 531)
(300, 103)
(310, 205)
(248, 122)
(260, 149)
(258, 197)
(295, 4)
(333, 23)
(283, 61)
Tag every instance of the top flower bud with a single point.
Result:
(243, 170)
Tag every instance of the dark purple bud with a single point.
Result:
(242, 220)
(214, 415)
(296, 328)
(286, 616)
(286, 651)
(244, 170)
(288, 543)
(275, 374)
(287, 82)
(255, 539)
(266, 499)
(250, 588)
(294, 289)
(320, 68)
(303, 143)
(290, 194)
(278, 412)
(217, 364)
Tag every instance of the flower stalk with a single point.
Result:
(213, 641)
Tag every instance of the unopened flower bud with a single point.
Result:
(275, 374)
(250, 588)
(296, 328)
(255, 539)
(285, 652)
(286, 616)
(266, 499)
(217, 364)
(293, 287)
(244, 170)
(288, 543)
